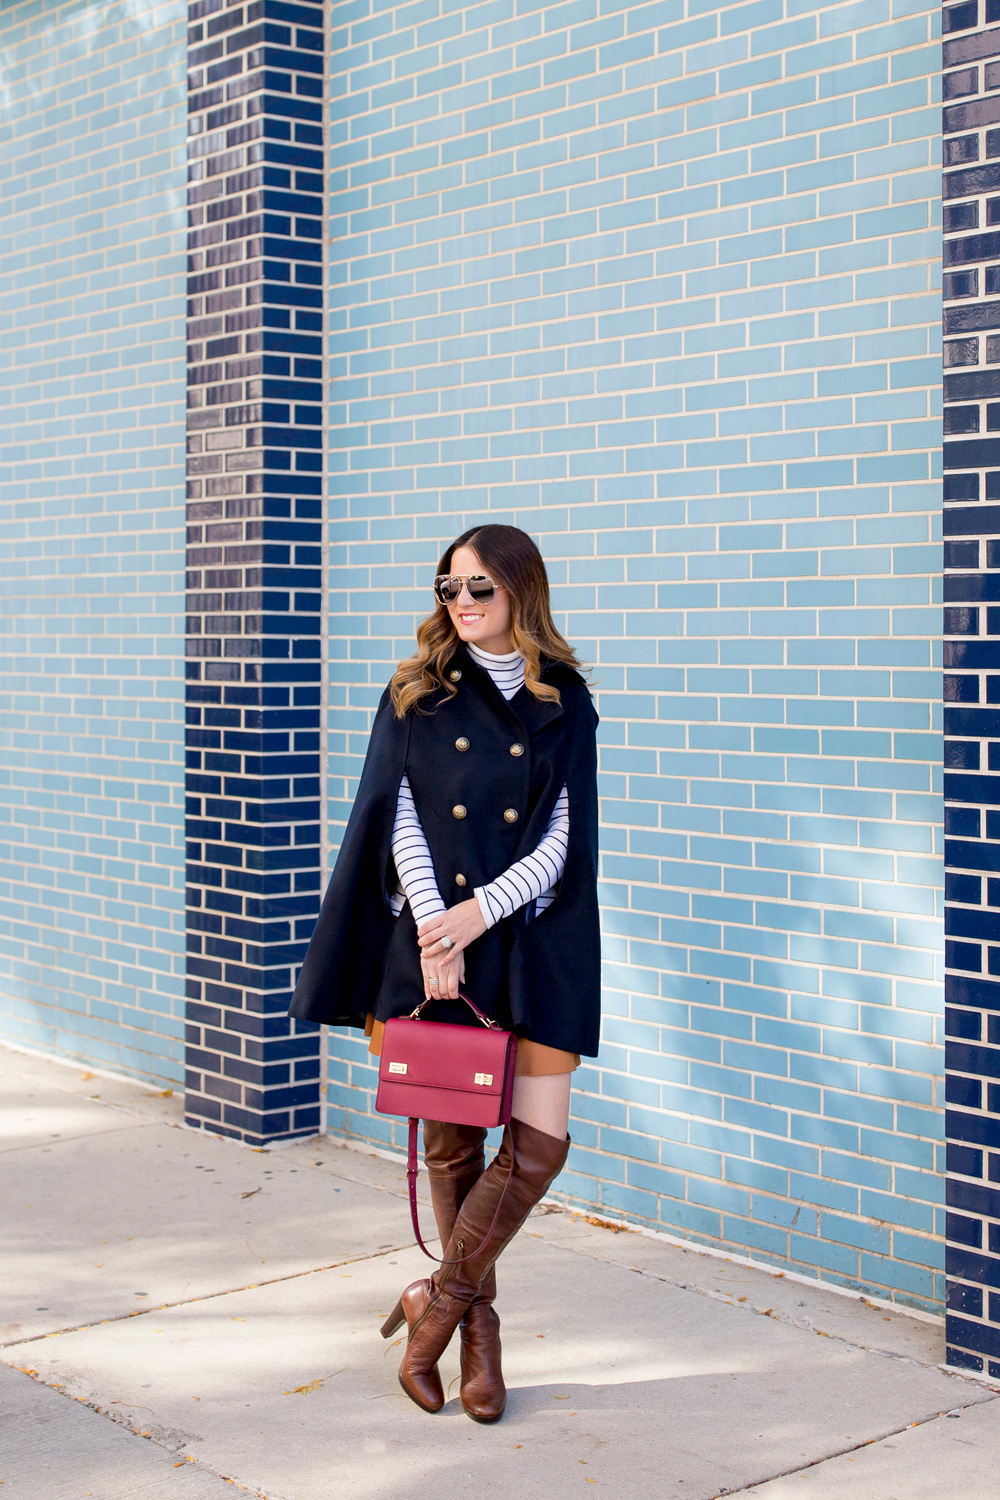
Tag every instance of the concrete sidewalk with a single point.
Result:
(176, 1321)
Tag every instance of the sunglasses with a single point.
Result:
(448, 587)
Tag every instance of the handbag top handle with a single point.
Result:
(416, 1015)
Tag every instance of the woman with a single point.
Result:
(470, 859)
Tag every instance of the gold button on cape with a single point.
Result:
(455, 675)
(461, 743)
(510, 816)
(517, 749)
(458, 811)
(460, 879)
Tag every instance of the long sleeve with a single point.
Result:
(532, 878)
(412, 858)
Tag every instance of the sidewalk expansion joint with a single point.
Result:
(170, 1442)
(804, 1325)
(66, 1140)
(229, 1291)
(934, 1416)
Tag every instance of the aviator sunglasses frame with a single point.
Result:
(481, 587)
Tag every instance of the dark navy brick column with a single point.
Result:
(255, 323)
(972, 677)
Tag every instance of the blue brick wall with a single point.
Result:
(91, 531)
(254, 560)
(971, 524)
(658, 283)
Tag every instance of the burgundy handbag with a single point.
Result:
(434, 1070)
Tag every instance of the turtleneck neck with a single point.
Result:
(506, 670)
(497, 658)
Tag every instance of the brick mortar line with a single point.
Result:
(569, 135)
(545, 429)
(489, 48)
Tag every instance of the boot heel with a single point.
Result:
(394, 1321)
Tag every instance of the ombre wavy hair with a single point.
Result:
(510, 558)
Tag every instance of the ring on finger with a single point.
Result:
(446, 942)
(432, 979)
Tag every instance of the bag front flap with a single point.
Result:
(436, 1054)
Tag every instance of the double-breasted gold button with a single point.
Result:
(517, 749)
(461, 743)
(460, 879)
(455, 675)
(458, 811)
(510, 816)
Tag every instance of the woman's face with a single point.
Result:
(485, 625)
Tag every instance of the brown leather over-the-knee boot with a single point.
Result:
(455, 1157)
(489, 1218)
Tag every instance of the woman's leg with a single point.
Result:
(544, 1104)
(456, 1160)
(521, 1173)
(543, 1101)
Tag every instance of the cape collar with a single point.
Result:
(526, 712)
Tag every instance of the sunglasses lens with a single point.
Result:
(447, 589)
(481, 589)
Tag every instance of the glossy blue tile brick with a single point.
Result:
(91, 533)
(683, 330)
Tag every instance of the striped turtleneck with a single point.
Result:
(533, 878)
(506, 671)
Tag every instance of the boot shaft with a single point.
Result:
(520, 1175)
(455, 1157)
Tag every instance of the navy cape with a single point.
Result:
(485, 775)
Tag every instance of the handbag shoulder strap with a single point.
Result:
(411, 1176)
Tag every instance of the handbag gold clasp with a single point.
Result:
(485, 1079)
(397, 1067)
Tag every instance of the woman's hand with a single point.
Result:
(438, 985)
(462, 924)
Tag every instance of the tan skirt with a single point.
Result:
(533, 1060)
